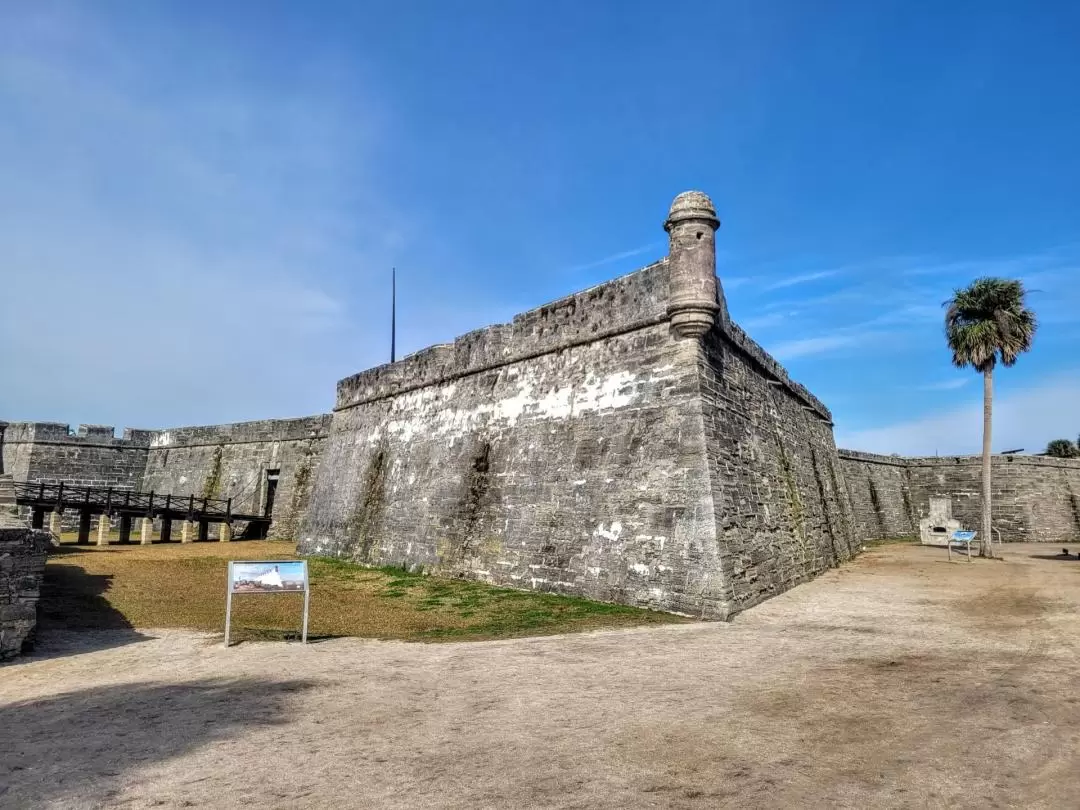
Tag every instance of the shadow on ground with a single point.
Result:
(1059, 557)
(78, 747)
(74, 600)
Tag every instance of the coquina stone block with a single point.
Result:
(22, 569)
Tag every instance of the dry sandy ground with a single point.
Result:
(898, 681)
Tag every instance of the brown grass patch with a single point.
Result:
(183, 585)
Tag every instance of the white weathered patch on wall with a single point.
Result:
(161, 439)
(427, 412)
(609, 534)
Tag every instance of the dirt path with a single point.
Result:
(897, 681)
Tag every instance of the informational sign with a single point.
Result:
(263, 577)
(964, 536)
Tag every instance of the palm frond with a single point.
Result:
(988, 321)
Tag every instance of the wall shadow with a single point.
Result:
(73, 614)
(79, 746)
(1059, 557)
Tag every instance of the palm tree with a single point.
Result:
(986, 322)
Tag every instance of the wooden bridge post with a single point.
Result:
(188, 526)
(84, 526)
(166, 521)
(125, 529)
(103, 528)
(204, 529)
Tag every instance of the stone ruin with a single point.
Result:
(22, 568)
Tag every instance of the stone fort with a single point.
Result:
(627, 443)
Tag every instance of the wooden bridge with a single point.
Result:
(128, 505)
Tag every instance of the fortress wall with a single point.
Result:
(47, 451)
(92, 456)
(16, 450)
(231, 461)
(535, 457)
(880, 493)
(781, 507)
(22, 571)
(1035, 498)
(218, 461)
(627, 443)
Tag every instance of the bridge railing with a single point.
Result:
(110, 499)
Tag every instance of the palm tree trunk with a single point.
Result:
(986, 548)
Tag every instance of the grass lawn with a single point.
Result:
(174, 585)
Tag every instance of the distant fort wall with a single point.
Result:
(1035, 498)
(256, 464)
(253, 463)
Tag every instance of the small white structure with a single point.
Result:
(271, 579)
(937, 528)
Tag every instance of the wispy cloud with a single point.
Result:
(1012, 266)
(1027, 418)
(766, 321)
(804, 347)
(616, 257)
(946, 385)
(218, 225)
(804, 278)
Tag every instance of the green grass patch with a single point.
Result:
(183, 585)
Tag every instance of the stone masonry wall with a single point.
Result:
(231, 461)
(93, 456)
(48, 451)
(219, 461)
(1035, 498)
(879, 489)
(22, 568)
(575, 451)
(780, 503)
(551, 453)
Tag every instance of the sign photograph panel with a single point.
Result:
(271, 576)
(267, 576)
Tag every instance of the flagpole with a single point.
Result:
(393, 314)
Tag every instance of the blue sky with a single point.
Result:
(200, 202)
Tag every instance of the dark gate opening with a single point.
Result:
(271, 491)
